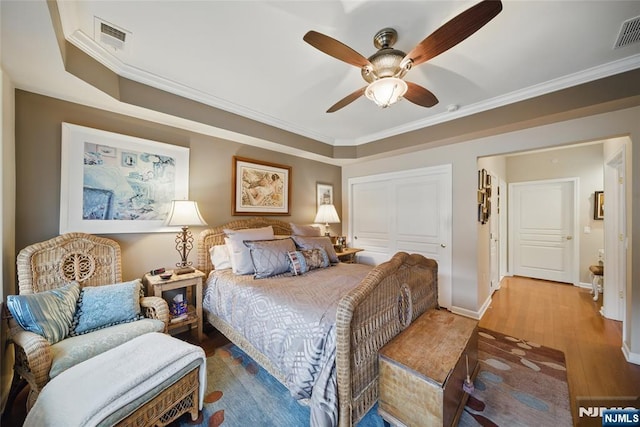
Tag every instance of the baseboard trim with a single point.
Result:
(477, 315)
(585, 285)
(630, 356)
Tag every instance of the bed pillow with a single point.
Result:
(305, 230)
(270, 256)
(103, 306)
(306, 242)
(302, 261)
(241, 262)
(48, 313)
(220, 257)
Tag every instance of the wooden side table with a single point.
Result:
(348, 255)
(156, 285)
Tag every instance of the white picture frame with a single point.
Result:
(324, 194)
(112, 183)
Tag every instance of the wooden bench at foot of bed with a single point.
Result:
(422, 370)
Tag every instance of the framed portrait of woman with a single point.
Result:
(260, 188)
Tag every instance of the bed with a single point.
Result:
(375, 305)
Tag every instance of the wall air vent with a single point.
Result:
(108, 35)
(629, 33)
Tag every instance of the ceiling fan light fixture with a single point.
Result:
(386, 91)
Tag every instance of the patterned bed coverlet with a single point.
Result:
(291, 320)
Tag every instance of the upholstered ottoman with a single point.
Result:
(150, 380)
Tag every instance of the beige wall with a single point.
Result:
(468, 289)
(38, 135)
(584, 162)
(7, 224)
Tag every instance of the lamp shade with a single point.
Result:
(184, 213)
(327, 214)
(386, 91)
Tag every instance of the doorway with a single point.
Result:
(543, 238)
(615, 243)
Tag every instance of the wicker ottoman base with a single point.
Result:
(179, 398)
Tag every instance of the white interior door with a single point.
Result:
(615, 240)
(407, 211)
(543, 241)
(371, 219)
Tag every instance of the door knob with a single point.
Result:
(569, 237)
(442, 245)
(355, 237)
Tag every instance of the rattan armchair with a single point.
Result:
(87, 259)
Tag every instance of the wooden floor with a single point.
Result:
(552, 314)
(566, 318)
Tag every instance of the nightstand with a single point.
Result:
(157, 285)
(348, 255)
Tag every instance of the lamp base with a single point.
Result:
(184, 270)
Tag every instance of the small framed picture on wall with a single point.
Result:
(598, 205)
(324, 194)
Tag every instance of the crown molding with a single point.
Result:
(89, 46)
(591, 74)
(97, 52)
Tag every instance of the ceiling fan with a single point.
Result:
(384, 70)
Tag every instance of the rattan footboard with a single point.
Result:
(385, 302)
(391, 296)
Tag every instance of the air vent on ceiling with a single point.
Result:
(109, 35)
(629, 32)
(113, 32)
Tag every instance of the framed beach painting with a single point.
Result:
(113, 183)
(260, 188)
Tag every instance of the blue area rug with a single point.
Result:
(241, 393)
(519, 383)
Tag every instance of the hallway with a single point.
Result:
(566, 318)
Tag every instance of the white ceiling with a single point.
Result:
(248, 57)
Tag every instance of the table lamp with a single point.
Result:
(184, 213)
(327, 214)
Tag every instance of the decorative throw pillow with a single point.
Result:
(302, 261)
(270, 256)
(241, 262)
(47, 313)
(305, 230)
(220, 257)
(103, 306)
(306, 242)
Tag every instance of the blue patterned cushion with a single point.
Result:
(270, 256)
(307, 242)
(108, 305)
(302, 261)
(47, 313)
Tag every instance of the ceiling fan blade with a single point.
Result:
(338, 50)
(455, 31)
(419, 95)
(346, 100)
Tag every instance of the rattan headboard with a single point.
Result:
(90, 260)
(215, 236)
